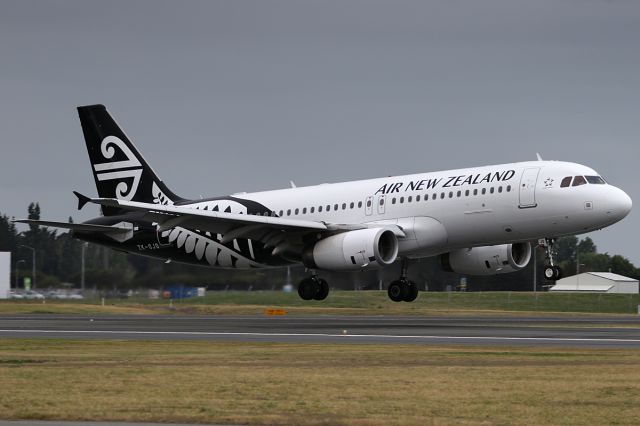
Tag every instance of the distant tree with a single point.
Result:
(621, 265)
(587, 246)
(8, 234)
(565, 248)
(595, 262)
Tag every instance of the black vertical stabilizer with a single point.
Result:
(118, 168)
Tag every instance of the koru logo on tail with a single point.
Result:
(119, 170)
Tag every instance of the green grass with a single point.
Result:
(348, 302)
(315, 384)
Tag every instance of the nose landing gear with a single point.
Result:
(551, 272)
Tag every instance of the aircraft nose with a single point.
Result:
(619, 204)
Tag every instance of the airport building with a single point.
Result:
(597, 282)
(5, 274)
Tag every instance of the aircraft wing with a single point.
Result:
(234, 224)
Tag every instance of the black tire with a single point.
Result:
(412, 292)
(323, 290)
(398, 290)
(308, 288)
(557, 273)
(549, 273)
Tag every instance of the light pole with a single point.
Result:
(84, 245)
(535, 268)
(16, 273)
(33, 264)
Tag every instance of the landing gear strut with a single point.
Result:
(551, 272)
(313, 288)
(403, 290)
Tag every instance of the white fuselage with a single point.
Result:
(443, 211)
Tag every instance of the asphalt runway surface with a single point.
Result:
(567, 331)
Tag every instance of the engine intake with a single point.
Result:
(488, 260)
(353, 250)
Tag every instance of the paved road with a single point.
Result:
(575, 331)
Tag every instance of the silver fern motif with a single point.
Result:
(204, 246)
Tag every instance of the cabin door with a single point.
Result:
(528, 188)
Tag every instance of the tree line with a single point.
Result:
(59, 263)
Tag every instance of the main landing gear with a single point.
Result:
(313, 288)
(551, 272)
(403, 290)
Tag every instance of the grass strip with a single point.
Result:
(315, 384)
(345, 302)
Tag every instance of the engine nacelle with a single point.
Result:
(488, 260)
(353, 250)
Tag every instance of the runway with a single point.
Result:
(567, 331)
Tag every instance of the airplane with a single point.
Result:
(479, 221)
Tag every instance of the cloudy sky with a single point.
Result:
(228, 96)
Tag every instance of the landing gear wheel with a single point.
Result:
(549, 272)
(412, 291)
(308, 288)
(323, 289)
(552, 273)
(398, 290)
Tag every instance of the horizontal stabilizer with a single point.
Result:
(82, 199)
(81, 227)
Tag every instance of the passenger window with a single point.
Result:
(500, 189)
(459, 193)
(401, 200)
(280, 213)
(319, 209)
(409, 199)
(344, 206)
(335, 207)
(368, 203)
(359, 204)
(382, 201)
(297, 210)
(450, 194)
(475, 191)
(328, 207)
(491, 190)
(304, 210)
(484, 191)
(442, 195)
(289, 212)
(508, 188)
(579, 180)
(393, 200)
(466, 193)
(312, 209)
(565, 182)
(434, 196)
(351, 205)
(417, 198)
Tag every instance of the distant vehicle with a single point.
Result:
(75, 296)
(478, 220)
(14, 295)
(33, 295)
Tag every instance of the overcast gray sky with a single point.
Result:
(228, 96)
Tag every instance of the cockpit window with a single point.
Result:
(597, 180)
(566, 182)
(579, 180)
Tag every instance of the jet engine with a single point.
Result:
(353, 250)
(488, 260)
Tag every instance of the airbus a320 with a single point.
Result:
(480, 220)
